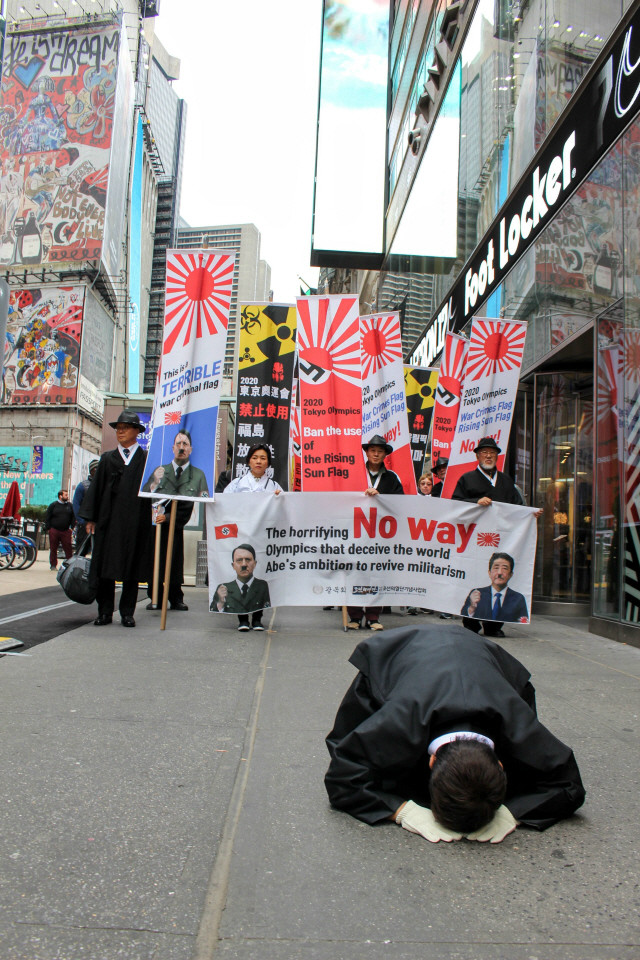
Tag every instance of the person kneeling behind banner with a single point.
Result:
(439, 733)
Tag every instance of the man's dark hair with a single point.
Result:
(467, 785)
(60, 492)
(259, 446)
(183, 433)
(243, 546)
(502, 556)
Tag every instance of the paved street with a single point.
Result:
(162, 798)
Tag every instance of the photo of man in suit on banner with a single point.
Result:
(498, 602)
(246, 594)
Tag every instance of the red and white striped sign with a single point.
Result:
(384, 405)
(488, 394)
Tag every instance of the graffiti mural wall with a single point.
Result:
(56, 121)
(42, 346)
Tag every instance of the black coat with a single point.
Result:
(389, 482)
(122, 543)
(417, 683)
(474, 485)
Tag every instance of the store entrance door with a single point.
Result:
(563, 484)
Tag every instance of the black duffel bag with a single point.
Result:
(73, 577)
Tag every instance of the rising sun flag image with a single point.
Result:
(198, 295)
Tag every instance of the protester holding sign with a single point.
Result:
(439, 471)
(256, 479)
(254, 600)
(381, 480)
(486, 484)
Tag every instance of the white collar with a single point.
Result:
(491, 479)
(435, 745)
(176, 465)
(241, 583)
(132, 449)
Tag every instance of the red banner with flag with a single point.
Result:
(494, 359)
(447, 405)
(330, 393)
(384, 404)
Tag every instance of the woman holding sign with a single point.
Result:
(255, 481)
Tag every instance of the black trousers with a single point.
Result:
(491, 627)
(107, 593)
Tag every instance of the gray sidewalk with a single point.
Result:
(162, 798)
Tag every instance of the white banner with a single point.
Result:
(198, 294)
(384, 404)
(368, 551)
(489, 389)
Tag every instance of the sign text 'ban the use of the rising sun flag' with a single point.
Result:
(198, 294)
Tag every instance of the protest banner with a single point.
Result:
(494, 358)
(198, 294)
(384, 405)
(370, 551)
(447, 405)
(330, 393)
(265, 378)
(420, 385)
(295, 446)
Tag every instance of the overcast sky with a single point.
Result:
(249, 74)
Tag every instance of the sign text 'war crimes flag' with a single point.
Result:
(420, 390)
(265, 382)
(295, 446)
(370, 551)
(198, 293)
(488, 395)
(384, 408)
(330, 393)
(447, 405)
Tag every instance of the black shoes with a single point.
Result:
(179, 606)
(127, 622)
(102, 620)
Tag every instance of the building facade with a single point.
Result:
(80, 174)
(534, 106)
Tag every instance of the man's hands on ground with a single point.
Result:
(417, 819)
(502, 824)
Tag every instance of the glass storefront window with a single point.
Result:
(608, 530)
(563, 486)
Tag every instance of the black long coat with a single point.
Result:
(474, 485)
(417, 683)
(122, 543)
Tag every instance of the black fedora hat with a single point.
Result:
(131, 419)
(378, 441)
(487, 443)
(440, 462)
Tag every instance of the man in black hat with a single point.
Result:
(483, 486)
(381, 480)
(120, 521)
(439, 470)
(486, 484)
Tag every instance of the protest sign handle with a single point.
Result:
(156, 570)
(345, 617)
(167, 566)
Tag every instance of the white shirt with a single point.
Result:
(132, 449)
(491, 479)
(250, 484)
(458, 735)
